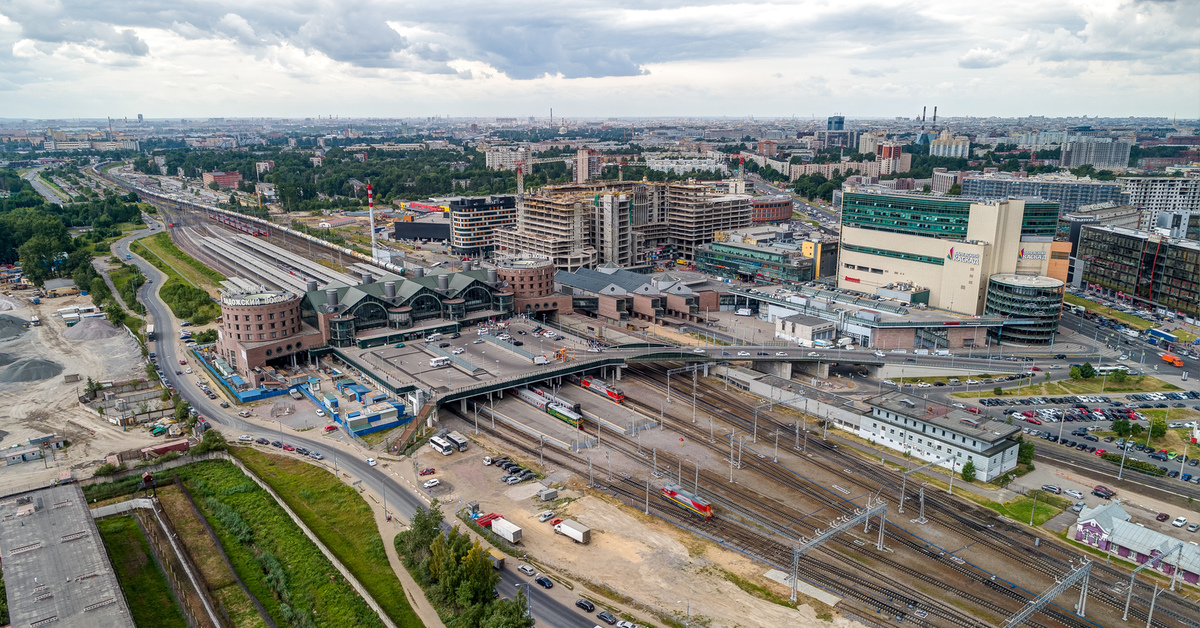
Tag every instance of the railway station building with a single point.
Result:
(933, 431)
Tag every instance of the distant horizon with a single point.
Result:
(589, 59)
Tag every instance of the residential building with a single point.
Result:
(770, 209)
(506, 157)
(588, 165)
(1153, 195)
(931, 431)
(837, 137)
(755, 262)
(475, 220)
(948, 245)
(1101, 152)
(804, 330)
(263, 167)
(684, 166)
(869, 141)
(768, 148)
(947, 145)
(1069, 191)
(222, 179)
(1141, 266)
(942, 180)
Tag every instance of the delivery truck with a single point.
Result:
(497, 559)
(1173, 360)
(507, 530)
(574, 530)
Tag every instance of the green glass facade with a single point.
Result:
(752, 263)
(1038, 298)
(870, 250)
(933, 216)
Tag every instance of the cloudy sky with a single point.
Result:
(587, 58)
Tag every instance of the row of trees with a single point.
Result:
(457, 575)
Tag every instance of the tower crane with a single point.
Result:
(521, 163)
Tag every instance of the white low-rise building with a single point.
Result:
(932, 430)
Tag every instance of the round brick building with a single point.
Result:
(257, 327)
(532, 283)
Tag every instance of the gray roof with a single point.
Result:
(1150, 542)
(809, 321)
(55, 564)
(944, 416)
(595, 281)
(1104, 516)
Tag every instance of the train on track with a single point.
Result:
(240, 225)
(688, 500)
(589, 383)
(554, 409)
(559, 399)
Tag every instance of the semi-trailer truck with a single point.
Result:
(574, 530)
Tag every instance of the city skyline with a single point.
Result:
(588, 60)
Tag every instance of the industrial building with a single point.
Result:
(620, 295)
(932, 431)
(1141, 266)
(949, 246)
(431, 226)
(222, 179)
(1068, 191)
(56, 571)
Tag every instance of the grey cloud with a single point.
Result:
(872, 72)
(977, 58)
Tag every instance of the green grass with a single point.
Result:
(1048, 506)
(151, 601)
(186, 265)
(374, 438)
(1128, 319)
(341, 519)
(186, 299)
(1136, 383)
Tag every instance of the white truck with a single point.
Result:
(507, 530)
(574, 530)
(541, 359)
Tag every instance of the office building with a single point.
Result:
(755, 262)
(930, 431)
(260, 329)
(474, 222)
(823, 250)
(947, 145)
(1101, 152)
(835, 123)
(1037, 299)
(432, 226)
(222, 179)
(1107, 214)
(1068, 191)
(948, 245)
(805, 330)
(56, 571)
(1179, 224)
(1153, 195)
(770, 209)
(532, 284)
(1141, 266)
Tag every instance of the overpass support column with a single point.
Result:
(618, 372)
(781, 369)
(706, 365)
(462, 406)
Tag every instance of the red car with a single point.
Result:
(287, 447)
(183, 361)
(1035, 369)
(426, 471)
(1162, 516)
(330, 428)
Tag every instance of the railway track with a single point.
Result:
(945, 512)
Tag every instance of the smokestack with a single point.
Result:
(467, 265)
(935, 116)
(371, 213)
(923, 108)
(418, 271)
(331, 297)
(443, 282)
(311, 286)
(389, 289)
(492, 275)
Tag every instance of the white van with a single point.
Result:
(433, 337)
(541, 359)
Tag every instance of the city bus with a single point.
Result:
(1102, 371)
(439, 362)
(456, 439)
(441, 446)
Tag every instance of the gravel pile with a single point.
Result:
(8, 304)
(30, 370)
(91, 329)
(11, 327)
(7, 358)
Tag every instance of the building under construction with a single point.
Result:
(619, 222)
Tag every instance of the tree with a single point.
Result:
(926, 189)
(38, 256)
(214, 186)
(998, 391)
(108, 468)
(1122, 427)
(181, 411)
(1025, 451)
(1136, 430)
(92, 386)
(211, 441)
(1075, 372)
(968, 471)
(1158, 428)
(1087, 371)
(955, 190)
(1119, 376)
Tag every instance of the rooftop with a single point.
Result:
(943, 416)
(257, 298)
(1026, 281)
(804, 319)
(55, 566)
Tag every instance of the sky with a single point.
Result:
(598, 58)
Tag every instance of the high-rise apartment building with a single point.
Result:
(1068, 191)
(835, 123)
(475, 221)
(588, 165)
(1154, 195)
(1142, 266)
(947, 145)
(506, 157)
(1100, 152)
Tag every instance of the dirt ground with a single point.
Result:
(658, 564)
(37, 408)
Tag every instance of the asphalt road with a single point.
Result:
(1136, 348)
(547, 610)
(47, 192)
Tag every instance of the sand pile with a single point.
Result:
(30, 370)
(11, 327)
(8, 304)
(91, 329)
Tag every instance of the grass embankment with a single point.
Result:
(151, 601)
(279, 564)
(185, 299)
(187, 266)
(1104, 310)
(341, 519)
(1093, 386)
(205, 553)
(374, 438)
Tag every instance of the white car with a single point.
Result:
(1179, 522)
(320, 412)
(1122, 357)
(781, 354)
(889, 382)
(546, 516)
(879, 354)
(743, 353)
(958, 405)
(371, 461)
(972, 381)
(245, 438)
(924, 385)
(477, 341)
(188, 371)
(1054, 367)
(697, 350)
(1073, 493)
(814, 354)
(431, 483)
(526, 569)
(458, 351)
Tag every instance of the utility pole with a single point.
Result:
(1034, 511)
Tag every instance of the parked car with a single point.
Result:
(431, 483)
(289, 447)
(1162, 516)
(330, 428)
(1073, 493)
(1179, 522)
(546, 516)
(544, 581)
(607, 617)
(527, 570)
(245, 438)
(371, 461)
(586, 605)
(262, 441)
(1050, 488)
